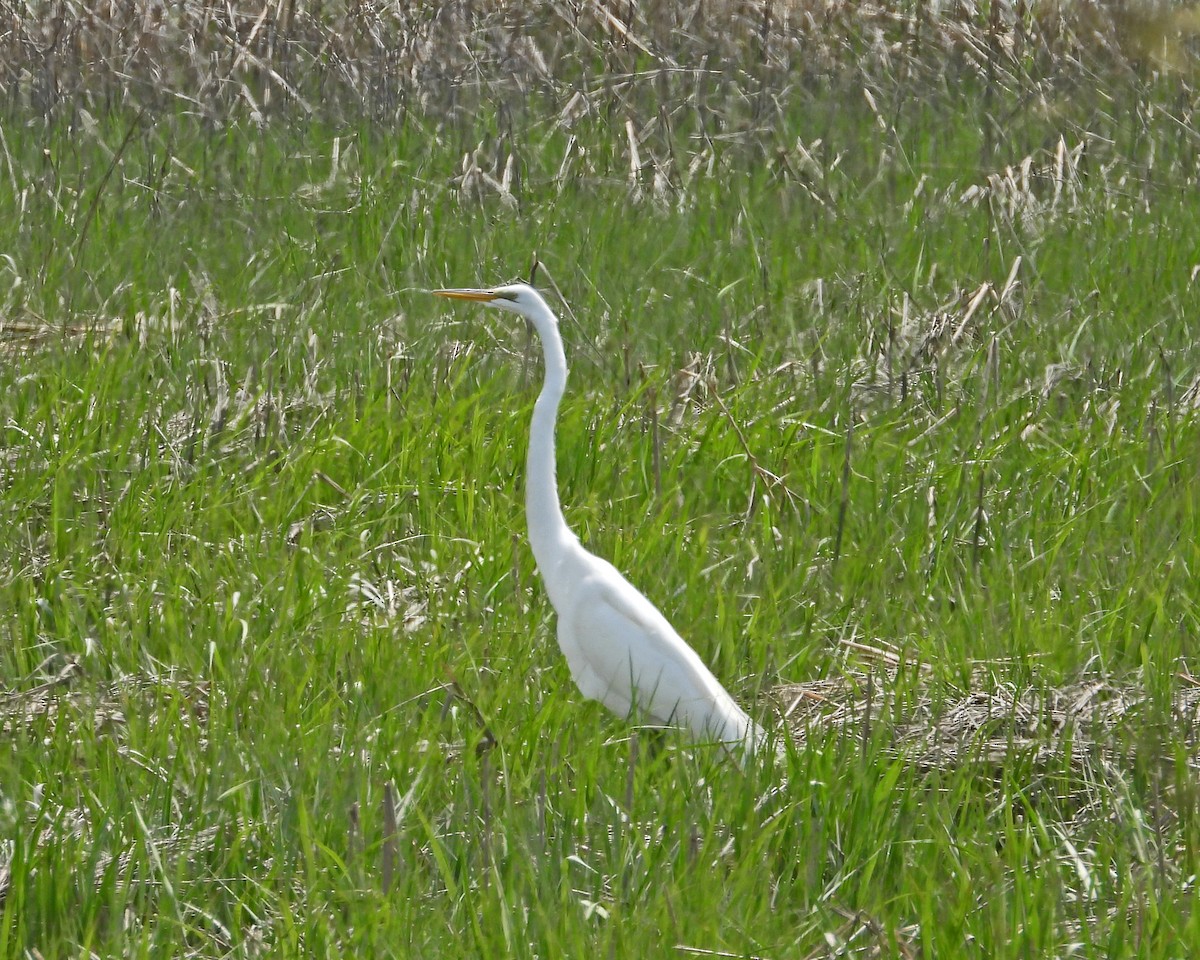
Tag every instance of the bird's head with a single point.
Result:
(517, 298)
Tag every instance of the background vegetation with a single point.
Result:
(885, 379)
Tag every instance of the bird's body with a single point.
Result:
(621, 650)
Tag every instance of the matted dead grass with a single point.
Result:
(66, 695)
(1086, 732)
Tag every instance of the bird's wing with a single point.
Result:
(627, 652)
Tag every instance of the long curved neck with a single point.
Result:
(547, 527)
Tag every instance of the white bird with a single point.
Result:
(621, 650)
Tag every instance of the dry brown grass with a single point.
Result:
(386, 58)
(1076, 737)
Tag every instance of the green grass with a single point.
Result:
(263, 503)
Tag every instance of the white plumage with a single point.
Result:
(620, 649)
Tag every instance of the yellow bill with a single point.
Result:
(482, 296)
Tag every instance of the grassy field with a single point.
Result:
(885, 379)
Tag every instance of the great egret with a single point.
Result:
(620, 649)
